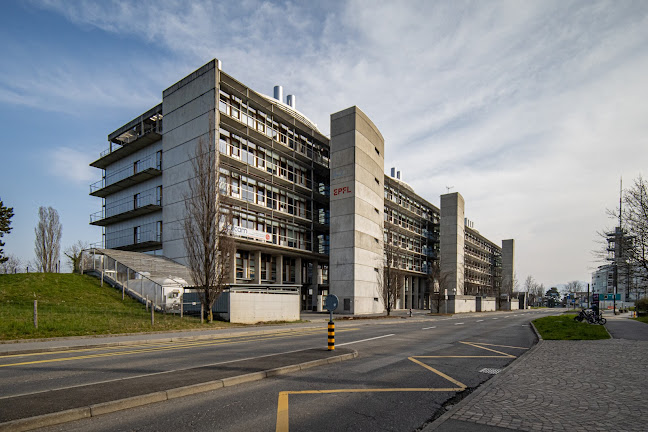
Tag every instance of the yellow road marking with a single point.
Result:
(488, 349)
(188, 344)
(501, 346)
(166, 343)
(441, 374)
(282, 403)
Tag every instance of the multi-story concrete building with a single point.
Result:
(307, 211)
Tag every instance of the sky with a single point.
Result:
(532, 110)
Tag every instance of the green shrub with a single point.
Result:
(642, 304)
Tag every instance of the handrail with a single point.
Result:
(149, 161)
(94, 260)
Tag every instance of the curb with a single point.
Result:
(484, 387)
(53, 419)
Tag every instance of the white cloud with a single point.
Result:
(520, 106)
(71, 164)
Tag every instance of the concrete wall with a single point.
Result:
(250, 308)
(189, 108)
(452, 234)
(357, 212)
(461, 304)
(488, 304)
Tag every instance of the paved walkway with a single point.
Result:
(564, 386)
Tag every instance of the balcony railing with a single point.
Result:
(145, 202)
(263, 128)
(151, 165)
(265, 165)
(131, 238)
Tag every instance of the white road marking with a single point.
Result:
(480, 320)
(364, 340)
(495, 318)
(458, 323)
(427, 328)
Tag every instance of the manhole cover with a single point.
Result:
(491, 371)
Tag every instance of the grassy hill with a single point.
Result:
(75, 305)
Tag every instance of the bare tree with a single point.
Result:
(48, 239)
(635, 219)
(74, 255)
(207, 228)
(10, 265)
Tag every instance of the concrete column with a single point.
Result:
(316, 279)
(410, 293)
(257, 267)
(452, 242)
(403, 304)
(298, 271)
(508, 265)
(280, 278)
(233, 269)
(417, 299)
(357, 205)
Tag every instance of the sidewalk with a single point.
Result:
(564, 386)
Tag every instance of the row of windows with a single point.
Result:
(257, 192)
(480, 243)
(402, 220)
(264, 123)
(257, 226)
(410, 204)
(263, 159)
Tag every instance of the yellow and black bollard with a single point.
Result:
(331, 336)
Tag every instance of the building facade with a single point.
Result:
(307, 211)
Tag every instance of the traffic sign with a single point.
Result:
(331, 302)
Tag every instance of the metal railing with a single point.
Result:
(260, 125)
(126, 237)
(129, 203)
(135, 284)
(151, 161)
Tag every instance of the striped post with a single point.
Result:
(331, 336)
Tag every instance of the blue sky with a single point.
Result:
(520, 106)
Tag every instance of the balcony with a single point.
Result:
(143, 238)
(140, 171)
(133, 136)
(148, 201)
(113, 153)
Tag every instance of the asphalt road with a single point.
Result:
(406, 370)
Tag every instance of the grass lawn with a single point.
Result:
(564, 327)
(76, 305)
(643, 319)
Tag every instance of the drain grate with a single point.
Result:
(491, 371)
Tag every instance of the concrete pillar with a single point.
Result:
(257, 267)
(403, 304)
(410, 296)
(233, 269)
(316, 280)
(298, 271)
(280, 277)
(417, 298)
(452, 242)
(357, 210)
(508, 265)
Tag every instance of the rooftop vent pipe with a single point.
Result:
(398, 175)
(278, 93)
(393, 172)
(290, 99)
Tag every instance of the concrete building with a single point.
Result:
(308, 212)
